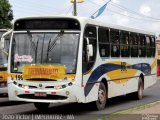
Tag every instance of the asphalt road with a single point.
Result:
(80, 111)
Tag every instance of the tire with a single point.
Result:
(41, 106)
(102, 98)
(138, 95)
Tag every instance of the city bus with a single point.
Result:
(65, 59)
(5, 37)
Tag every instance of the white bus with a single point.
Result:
(72, 59)
(5, 37)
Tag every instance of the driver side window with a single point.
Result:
(90, 38)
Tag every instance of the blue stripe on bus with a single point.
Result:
(105, 68)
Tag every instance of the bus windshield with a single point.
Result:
(1, 33)
(44, 48)
(3, 54)
(3, 58)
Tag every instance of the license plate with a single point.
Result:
(40, 94)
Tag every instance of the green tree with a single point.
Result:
(6, 14)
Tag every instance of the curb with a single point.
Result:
(138, 108)
(117, 115)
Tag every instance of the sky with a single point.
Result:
(139, 14)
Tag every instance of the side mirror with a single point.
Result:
(5, 36)
(6, 64)
(89, 50)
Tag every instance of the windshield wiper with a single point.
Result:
(42, 49)
(48, 50)
(52, 44)
(13, 49)
(4, 51)
(36, 51)
(33, 45)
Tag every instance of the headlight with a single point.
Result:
(25, 87)
(57, 87)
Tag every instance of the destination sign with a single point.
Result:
(54, 72)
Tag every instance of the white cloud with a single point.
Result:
(123, 20)
(99, 2)
(145, 10)
(116, 1)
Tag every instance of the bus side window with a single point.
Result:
(153, 46)
(142, 46)
(90, 38)
(90, 31)
(104, 43)
(134, 44)
(148, 46)
(115, 44)
(124, 38)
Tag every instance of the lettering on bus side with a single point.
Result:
(123, 66)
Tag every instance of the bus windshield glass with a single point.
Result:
(44, 48)
(3, 54)
(1, 33)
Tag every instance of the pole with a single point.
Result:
(75, 8)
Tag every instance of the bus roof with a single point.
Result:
(84, 21)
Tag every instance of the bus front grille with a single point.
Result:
(48, 97)
(40, 79)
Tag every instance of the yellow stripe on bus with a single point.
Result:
(153, 65)
(3, 75)
(121, 77)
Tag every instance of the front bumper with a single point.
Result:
(3, 90)
(65, 95)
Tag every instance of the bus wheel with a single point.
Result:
(139, 93)
(102, 96)
(41, 106)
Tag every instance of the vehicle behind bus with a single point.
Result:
(5, 37)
